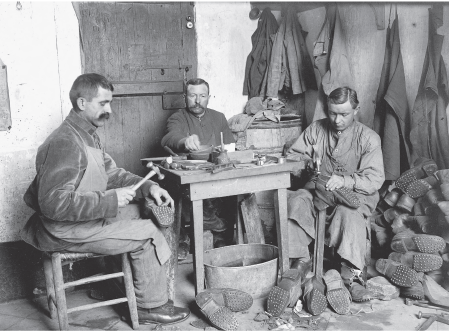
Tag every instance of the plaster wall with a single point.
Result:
(223, 42)
(40, 47)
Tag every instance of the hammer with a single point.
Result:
(154, 170)
(438, 318)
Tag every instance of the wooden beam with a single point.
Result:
(133, 88)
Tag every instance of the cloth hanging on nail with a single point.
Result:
(392, 115)
(331, 59)
(429, 128)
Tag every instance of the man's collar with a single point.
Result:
(340, 132)
(197, 116)
(81, 122)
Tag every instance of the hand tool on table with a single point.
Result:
(163, 158)
(154, 170)
(170, 151)
(222, 158)
(424, 326)
(439, 318)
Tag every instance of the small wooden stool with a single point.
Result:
(56, 287)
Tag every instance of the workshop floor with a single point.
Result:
(392, 315)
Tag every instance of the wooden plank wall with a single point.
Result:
(131, 42)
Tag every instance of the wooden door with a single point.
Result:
(147, 51)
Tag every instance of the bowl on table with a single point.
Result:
(203, 153)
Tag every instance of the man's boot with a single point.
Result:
(353, 280)
(166, 314)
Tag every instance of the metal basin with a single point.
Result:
(252, 268)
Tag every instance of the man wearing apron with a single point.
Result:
(351, 156)
(81, 201)
(198, 125)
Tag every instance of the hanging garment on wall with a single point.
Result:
(392, 115)
(290, 63)
(5, 109)
(259, 58)
(331, 59)
(429, 129)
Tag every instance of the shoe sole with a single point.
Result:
(318, 303)
(428, 244)
(278, 300)
(339, 301)
(419, 262)
(399, 274)
(233, 299)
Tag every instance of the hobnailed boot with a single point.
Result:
(353, 280)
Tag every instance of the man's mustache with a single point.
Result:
(197, 106)
(104, 116)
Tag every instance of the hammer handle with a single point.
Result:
(141, 182)
(424, 326)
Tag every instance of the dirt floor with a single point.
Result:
(391, 315)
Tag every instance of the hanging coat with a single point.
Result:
(259, 57)
(331, 60)
(392, 116)
(429, 129)
(290, 63)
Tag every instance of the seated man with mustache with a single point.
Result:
(77, 195)
(198, 125)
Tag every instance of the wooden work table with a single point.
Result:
(196, 185)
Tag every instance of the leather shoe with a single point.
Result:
(166, 314)
(423, 167)
(215, 224)
(392, 197)
(341, 195)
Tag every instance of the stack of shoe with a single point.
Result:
(416, 246)
(219, 305)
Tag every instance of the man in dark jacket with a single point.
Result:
(198, 125)
(81, 201)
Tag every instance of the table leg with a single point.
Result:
(280, 203)
(238, 220)
(197, 221)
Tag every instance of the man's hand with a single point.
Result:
(192, 143)
(335, 182)
(124, 196)
(161, 196)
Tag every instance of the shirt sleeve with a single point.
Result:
(175, 131)
(119, 178)
(303, 145)
(370, 175)
(60, 166)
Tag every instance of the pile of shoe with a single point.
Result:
(413, 221)
(219, 305)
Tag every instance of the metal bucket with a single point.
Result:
(252, 268)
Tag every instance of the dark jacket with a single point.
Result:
(259, 57)
(429, 129)
(392, 115)
(183, 123)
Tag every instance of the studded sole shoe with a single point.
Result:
(398, 273)
(419, 188)
(423, 169)
(314, 297)
(424, 243)
(337, 294)
(418, 261)
(164, 216)
(219, 316)
(234, 299)
(280, 295)
(416, 291)
(342, 195)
